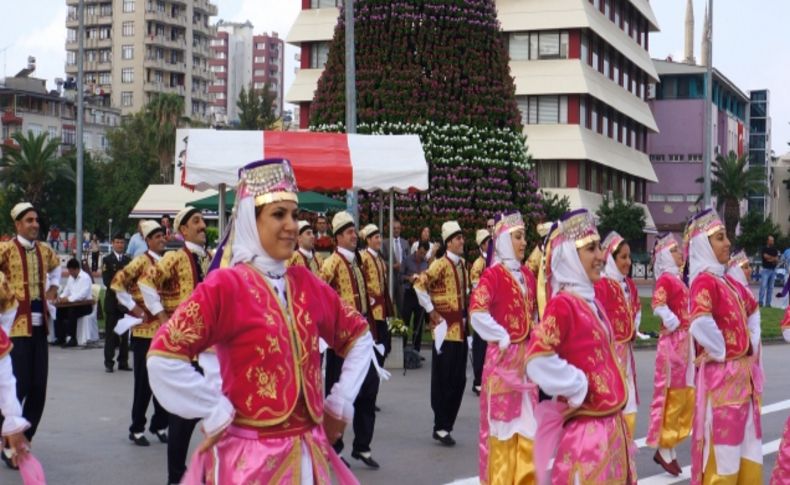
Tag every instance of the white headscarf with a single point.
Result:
(505, 255)
(702, 258)
(665, 263)
(567, 272)
(611, 270)
(247, 243)
(736, 271)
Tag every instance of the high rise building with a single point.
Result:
(136, 48)
(760, 147)
(582, 72)
(242, 59)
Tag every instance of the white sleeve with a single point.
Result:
(425, 300)
(668, 318)
(707, 334)
(66, 290)
(152, 299)
(125, 299)
(786, 334)
(340, 402)
(53, 278)
(7, 320)
(754, 329)
(556, 377)
(182, 390)
(489, 330)
(9, 404)
(80, 289)
(638, 320)
(210, 364)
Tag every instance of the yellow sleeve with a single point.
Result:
(426, 279)
(533, 262)
(292, 260)
(125, 278)
(158, 274)
(50, 257)
(328, 270)
(7, 297)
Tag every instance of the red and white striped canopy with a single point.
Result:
(328, 161)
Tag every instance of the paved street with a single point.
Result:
(83, 436)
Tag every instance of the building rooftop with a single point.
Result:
(667, 67)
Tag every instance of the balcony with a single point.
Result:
(201, 72)
(161, 40)
(206, 7)
(163, 88)
(98, 43)
(206, 30)
(164, 17)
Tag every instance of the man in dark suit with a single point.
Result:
(112, 263)
(399, 254)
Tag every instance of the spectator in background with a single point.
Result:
(95, 251)
(323, 240)
(399, 254)
(165, 223)
(137, 245)
(425, 236)
(770, 257)
(54, 238)
(78, 289)
(413, 265)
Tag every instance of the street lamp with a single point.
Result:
(109, 231)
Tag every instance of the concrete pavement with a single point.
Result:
(83, 435)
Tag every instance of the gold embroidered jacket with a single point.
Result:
(477, 270)
(16, 263)
(375, 272)
(448, 287)
(347, 280)
(314, 264)
(174, 277)
(128, 280)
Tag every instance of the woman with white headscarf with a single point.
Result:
(620, 299)
(571, 357)
(726, 445)
(271, 423)
(502, 311)
(672, 408)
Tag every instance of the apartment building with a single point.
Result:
(243, 59)
(136, 48)
(582, 72)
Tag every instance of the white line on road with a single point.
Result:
(666, 479)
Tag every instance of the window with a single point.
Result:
(259, 59)
(71, 58)
(217, 42)
(319, 53)
(259, 85)
(675, 158)
(219, 82)
(69, 137)
(656, 198)
(127, 29)
(127, 75)
(127, 52)
(518, 46)
(656, 158)
(691, 198)
(259, 72)
(260, 46)
(324, 3)
(220, 55)
(217, 68)
(544, 110)
(695, 157)
(105, 55)
(549, 45)
(126, 98)
(583, 111)
(220, 95)
(675, 198)
(52, 131)
(105, 78)
(551, 173)
(128, 6)
(105, 10)
(594, 117)
(71, 35)
(585, 48)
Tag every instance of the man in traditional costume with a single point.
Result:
(619, 297)
(342, 270)
(672, 408)
(726, 446)
(126, 285)
(502, 311)
(483, 239)
(265, 321)
(571, 356)
(165, 286)
(443, 291)
(33, 272)
(377, 283)
(305, 254)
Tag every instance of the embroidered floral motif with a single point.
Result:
(548, 333)
(659, 297)
(184, 330)
(266, 382)
(703, 302)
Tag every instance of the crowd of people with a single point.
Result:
(278, 339)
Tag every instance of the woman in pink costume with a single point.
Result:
(571, 356)
(781, 473)
(672, 409)
(620, 299)
(270, 424)
(726, 444)
(502, 311)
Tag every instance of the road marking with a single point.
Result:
(667, 479)
(664, 478)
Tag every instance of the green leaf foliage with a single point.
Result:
(623, 216)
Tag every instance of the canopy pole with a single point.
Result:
(222, 209)
(381, 211)
(391, 246)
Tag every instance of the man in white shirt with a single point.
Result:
(78, 289)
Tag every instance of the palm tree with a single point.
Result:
(34, 165)
(166, 113)
(732, 181)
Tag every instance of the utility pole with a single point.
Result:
(352, 202)
(80, 121)
(708, 141)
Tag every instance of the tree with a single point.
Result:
(165, 112)
(732, 181)
(625, 217)
(755, 230)
(554, 206)
(438, 69)
(33, 165)
(256, 108)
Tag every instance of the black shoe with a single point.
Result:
(447, 440)
(108, 368)
(161, 434)
(422, 358)
(59, 343)
(139, 441)
(377, 409)
(7, 461)
(124, 367)
(476, 390)
(367, 460)
(71, 343)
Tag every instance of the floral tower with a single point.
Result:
(438, 69)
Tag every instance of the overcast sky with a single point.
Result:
(750, 43)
